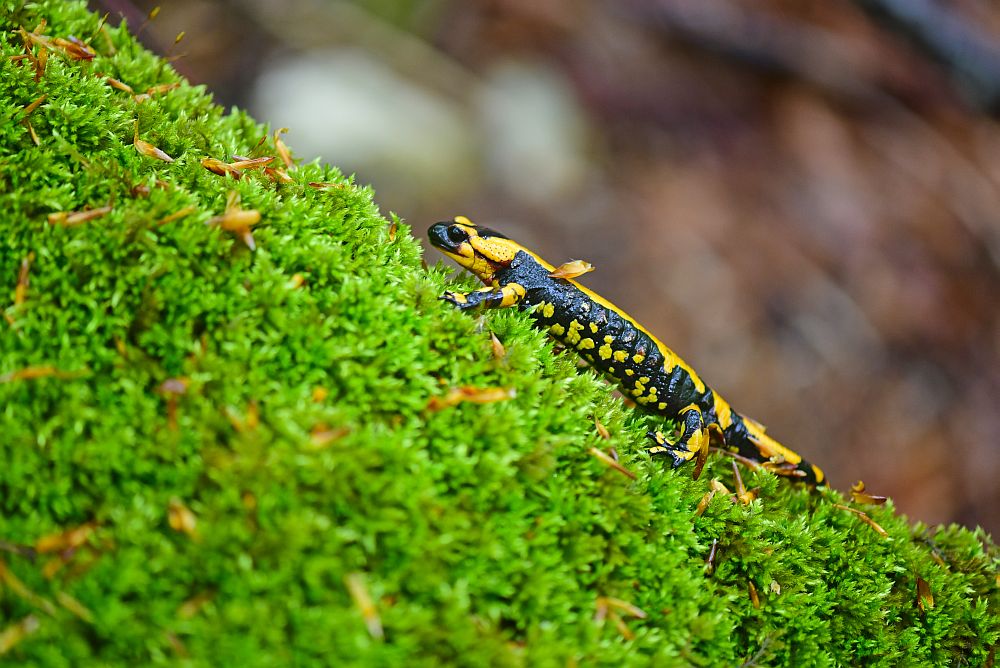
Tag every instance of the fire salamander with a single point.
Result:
(613, 343)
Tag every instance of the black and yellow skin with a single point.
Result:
(612, 342)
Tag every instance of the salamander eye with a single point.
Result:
(457, 235)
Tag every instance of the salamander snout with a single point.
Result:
(447, 236)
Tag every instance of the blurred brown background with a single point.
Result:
(802, 198)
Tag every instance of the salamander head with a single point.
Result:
(478, 249)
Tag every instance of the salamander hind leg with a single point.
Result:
(692, 443)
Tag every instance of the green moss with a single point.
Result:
(484, 534)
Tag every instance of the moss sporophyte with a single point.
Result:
(238, 427)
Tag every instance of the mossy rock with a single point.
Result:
(212, 454)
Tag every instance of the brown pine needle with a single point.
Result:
(625, 607)
(31, 131)
(277, 174)
(19, 589)
(499, 352)
(193, 605)
(704, 503)
(220, 168)
(322, 185)
(33, 372)
(21, 289)
(35, 104)
(177, 215)
(282, 149)
(115, 83)
(607, 459)
(251, 163)
(181, 518)
(162, 88)
(74, 606)
(74, 48)
(356, 587)
(602, 431)
(237, 220)
(173, 386)
(70, 218)
(16, 632)
(150, 151)
(925, 599)
(147, 149)
(608, 608)
(864, 518)
(710, 560)
(322, 436)
(754, 597)
(621, 626)
(471, 394)
(65, 540)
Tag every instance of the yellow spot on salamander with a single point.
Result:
(586, 344)
(593, 328)
(573, 335)
(636, 393)
(609, 339)
(637, 358)
(604, 351)
(620, 355)
(629, 372)
(557, 329)
(548, 310)
(644, 379)
(661, 405)
(611, 369)
(652, 391)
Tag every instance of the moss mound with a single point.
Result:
(217, 455)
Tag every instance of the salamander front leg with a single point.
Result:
(692, 443)
(508, 295)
